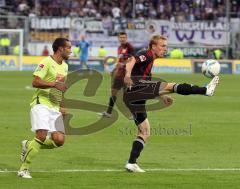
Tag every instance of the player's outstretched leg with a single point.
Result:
(187, 89)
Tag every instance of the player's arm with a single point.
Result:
(129, 66)
(62, 108)
(40, 83)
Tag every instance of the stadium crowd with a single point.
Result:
(179, 10)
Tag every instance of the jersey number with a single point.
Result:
(142, 58)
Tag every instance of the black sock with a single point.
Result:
(186, 89)
(111, 103)
(137, 147)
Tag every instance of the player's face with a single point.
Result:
(160, 49)
(66, 50)
(122, 39)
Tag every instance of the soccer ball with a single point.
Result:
(211, 68)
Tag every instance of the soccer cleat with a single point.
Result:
(24, 150)
(24, 174)
(212, 86)
(133, 167)
(105, 114)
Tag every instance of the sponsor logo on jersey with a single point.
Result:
(40, 67)
(142, 58)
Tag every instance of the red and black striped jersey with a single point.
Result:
(143, 66)
(124, 52)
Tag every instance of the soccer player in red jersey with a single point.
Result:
(125, 50)
(140, 87)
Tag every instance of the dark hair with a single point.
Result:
(122, 33)
(59, 42)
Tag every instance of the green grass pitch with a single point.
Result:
(205, 155)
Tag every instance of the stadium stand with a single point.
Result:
(114, 15)
(179, 10)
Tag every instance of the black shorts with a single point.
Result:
(135, 99)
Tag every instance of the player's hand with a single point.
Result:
(167, 100)
(128, 81)
(63, 111)
(60, 86)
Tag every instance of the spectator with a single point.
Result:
(237, 45)
(176, 54)
(16, 50)
(102, 52)
(5, 44)
(84, 46)
(23, 7)
(45, 51)
(163, 9)
(218, 54)
(76, 51)
(116, 12)
(139, 7)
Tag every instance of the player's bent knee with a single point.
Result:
(145, 133)
(58, 139)
(169, 87)
(144, 129)
(41, 138)
(41, 135)
(59, 142)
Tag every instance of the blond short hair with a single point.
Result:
(155, 39)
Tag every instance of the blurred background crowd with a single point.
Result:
(101, 20)
(177, 10)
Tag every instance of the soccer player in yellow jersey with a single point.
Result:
(46, 106)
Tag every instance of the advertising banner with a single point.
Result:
(96, 64)
(172, 66)
(192, 52)
(9, 62)
(139, 32)
(236, 68)
(12, 62)
(159, 66)
(205, 33)
(50, 23)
